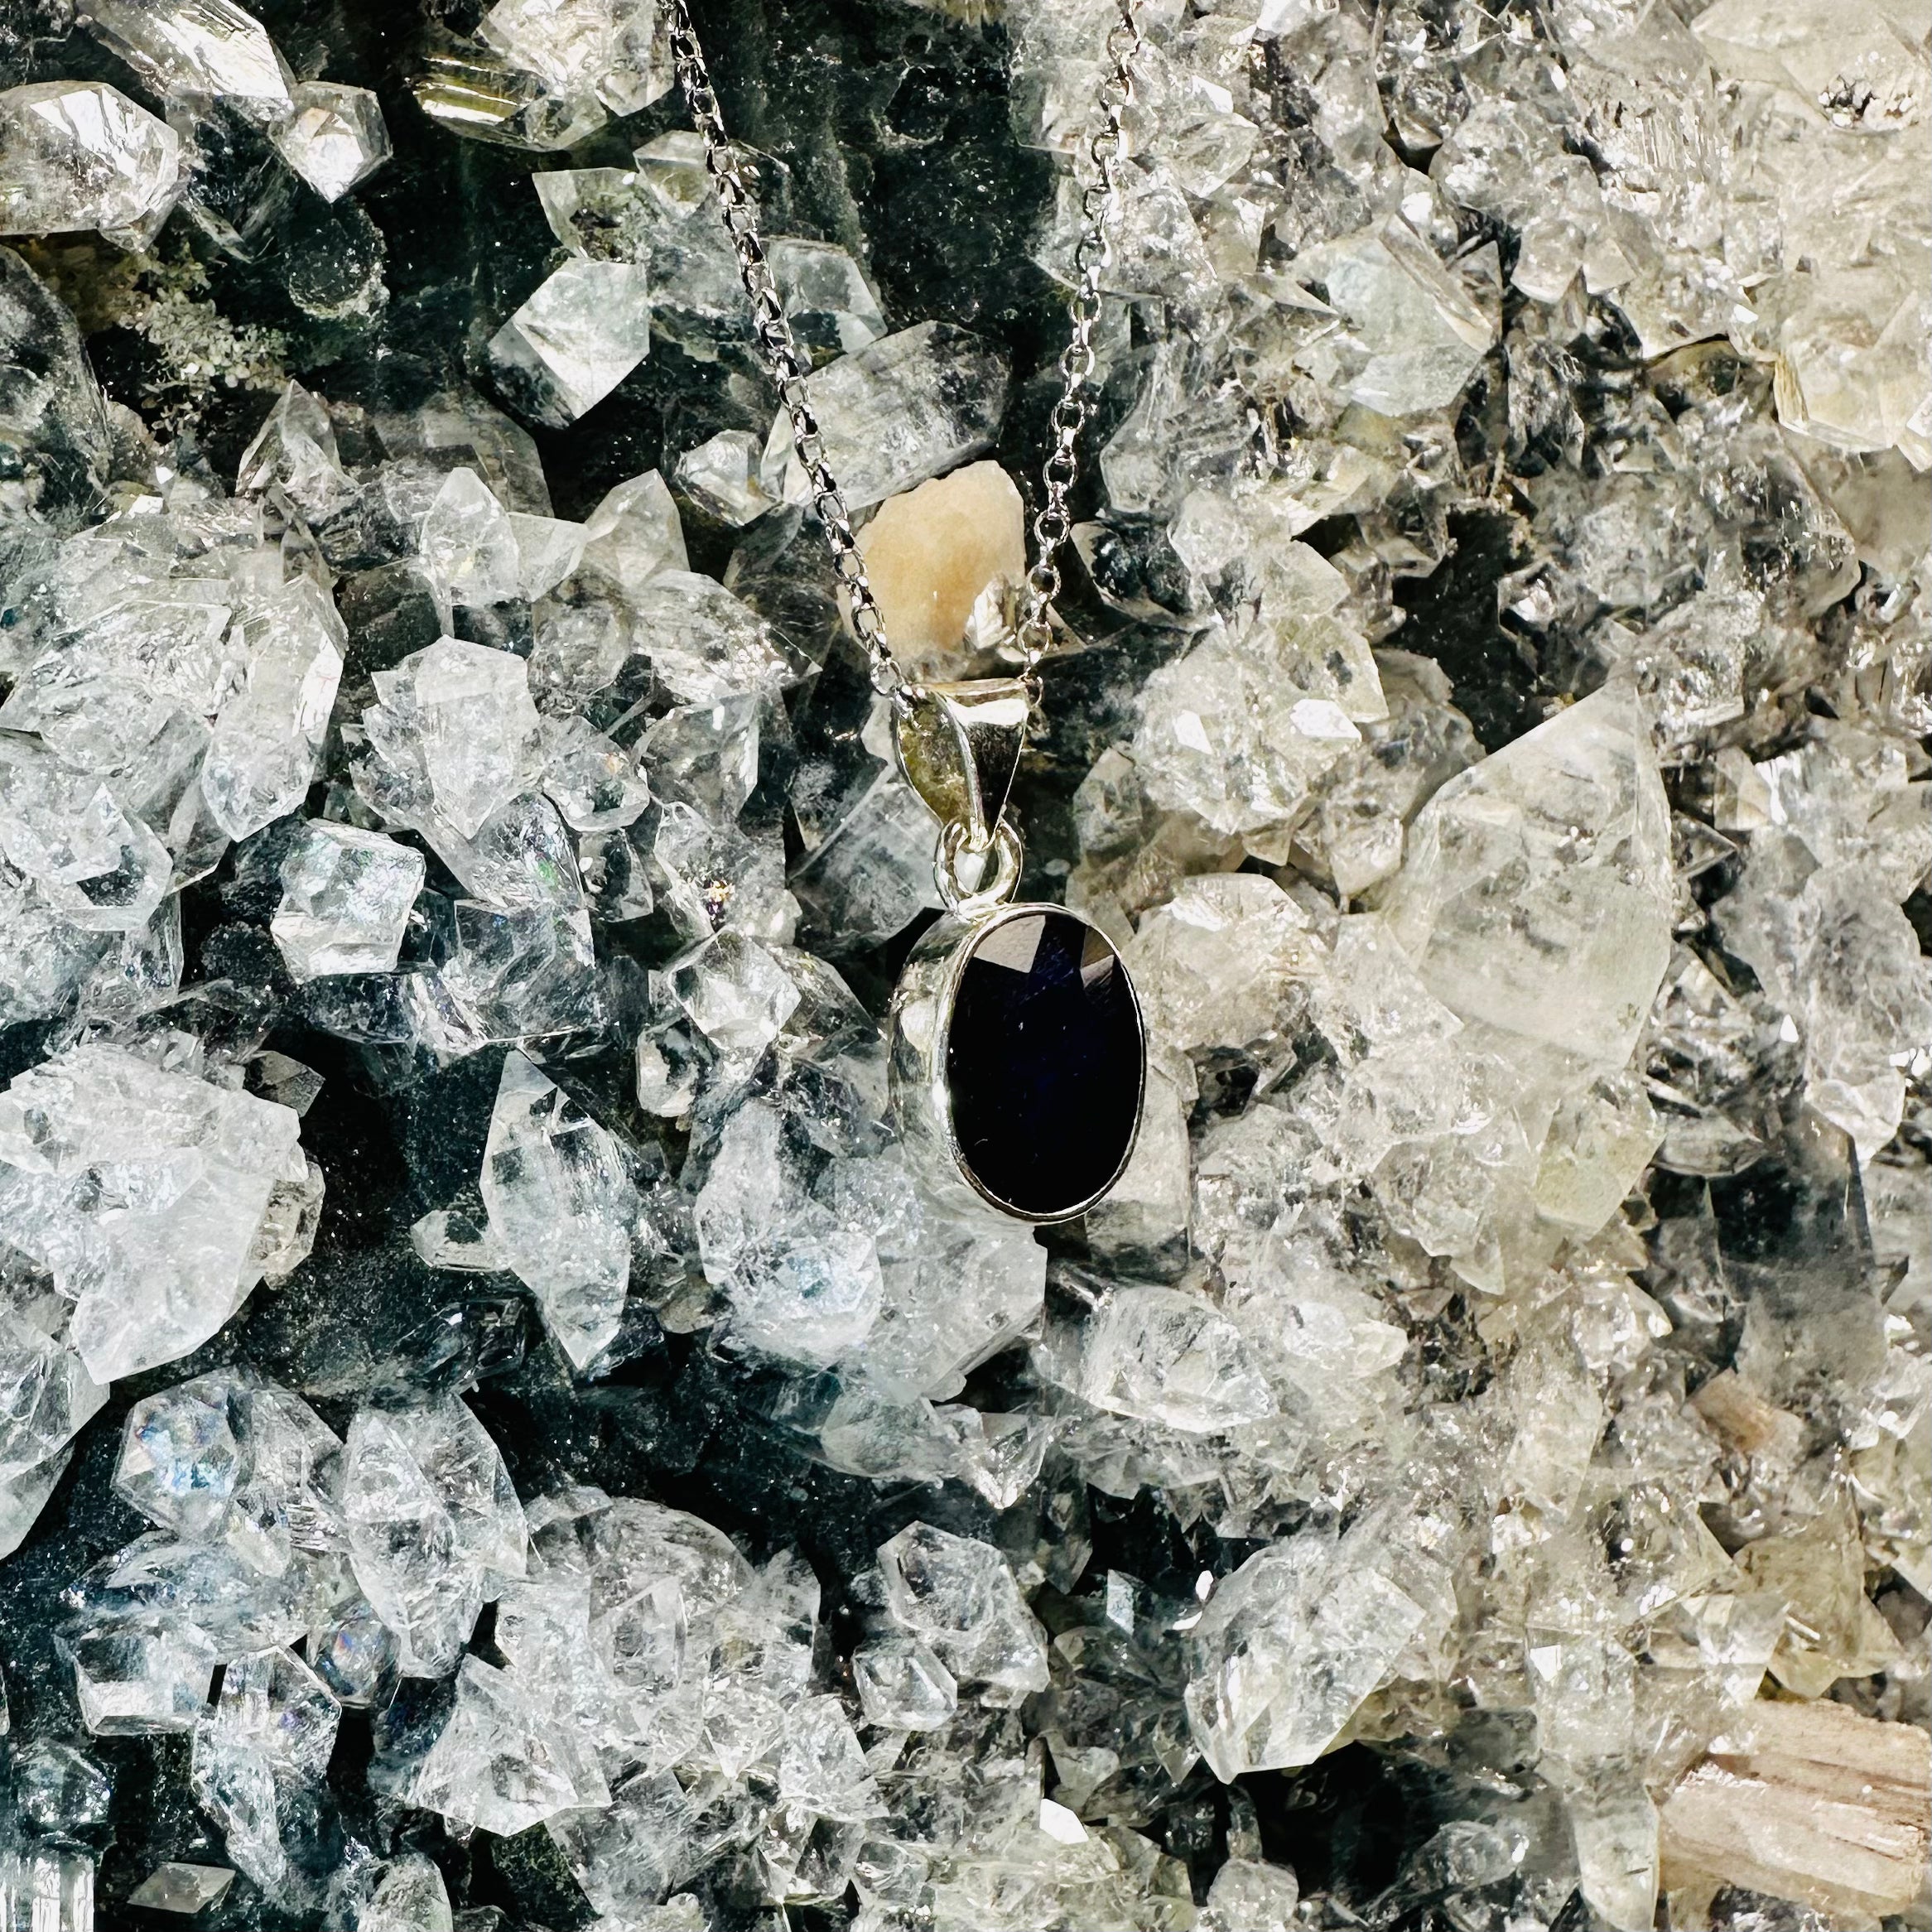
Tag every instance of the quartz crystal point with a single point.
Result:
(182, 1889)
(434, 1525)
(720, 478)
(1170, 1358)
(53, 419)
(1413, 335)
(903, 408)
(959, 1596)
(270, 1734)
(1537, 893)
(199, 51)
(468, 544)
(262, 754)
(453, 732)
(50, 1396)
(498, 1763)
(901, 1684)
(231, 1458)
(618, 51)
(78, 155)
(336, 137)
(345, 901)
(1288, 1648)
(140, 1674)
(562, 1208)
(143, 1192)
(99, 867)
(294, 451)
(576, 338)
(705, 646)
(405, 1893)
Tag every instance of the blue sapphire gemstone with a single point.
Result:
(1045, 1061)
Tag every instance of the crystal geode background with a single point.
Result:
(490, 1433)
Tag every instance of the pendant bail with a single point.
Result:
(959, 745)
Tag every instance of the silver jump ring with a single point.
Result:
(971, 902)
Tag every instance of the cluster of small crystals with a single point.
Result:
(1506, 1348)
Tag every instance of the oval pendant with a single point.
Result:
(1018, 1060)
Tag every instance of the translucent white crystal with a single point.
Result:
(46, 1396)
(1412, 335)
(908, 406)
(822, 1766)
(576, 338)
(1250, 1897)
(230, 1457)
(140, 1674)
(50, 1886)
(295, 450)
(722, 477)
(271, 1729)
(356, 1656)
(590, 780)
(99, 868)
(1845, 962)
(78, 154)
(1170, 1358)
(1219, 963)
(719, 879)
(468, 543)
(870, 873)
(199, 51)
(627, 1857)
(403, 1894)
(561, 1207)
(618, 50)
(186, 1889)
(737, 995)
(498, 1764)
(432, 1520)
(267, 743)
(1228, 734)
(143, 1191)
(336, 137)
(825, 292)
(515, 973)
(179, 1462)
(1288, 1649)
(901, 1684)
(960, 1596)
(706, 757)
(705, 645)
(1538, 895)
(345, 901)
(453, 731)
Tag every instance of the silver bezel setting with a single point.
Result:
(919, 1027)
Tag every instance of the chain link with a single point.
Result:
(1100, 208)
(1106, 154)
(789, 370)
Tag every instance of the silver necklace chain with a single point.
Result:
(1105, 153)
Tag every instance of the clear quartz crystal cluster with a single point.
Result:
(494, 1432)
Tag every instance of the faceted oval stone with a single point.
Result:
(1044, 1061)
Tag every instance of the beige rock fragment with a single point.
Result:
(932, 552)
(1744, 1421)
(1810, 1802)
